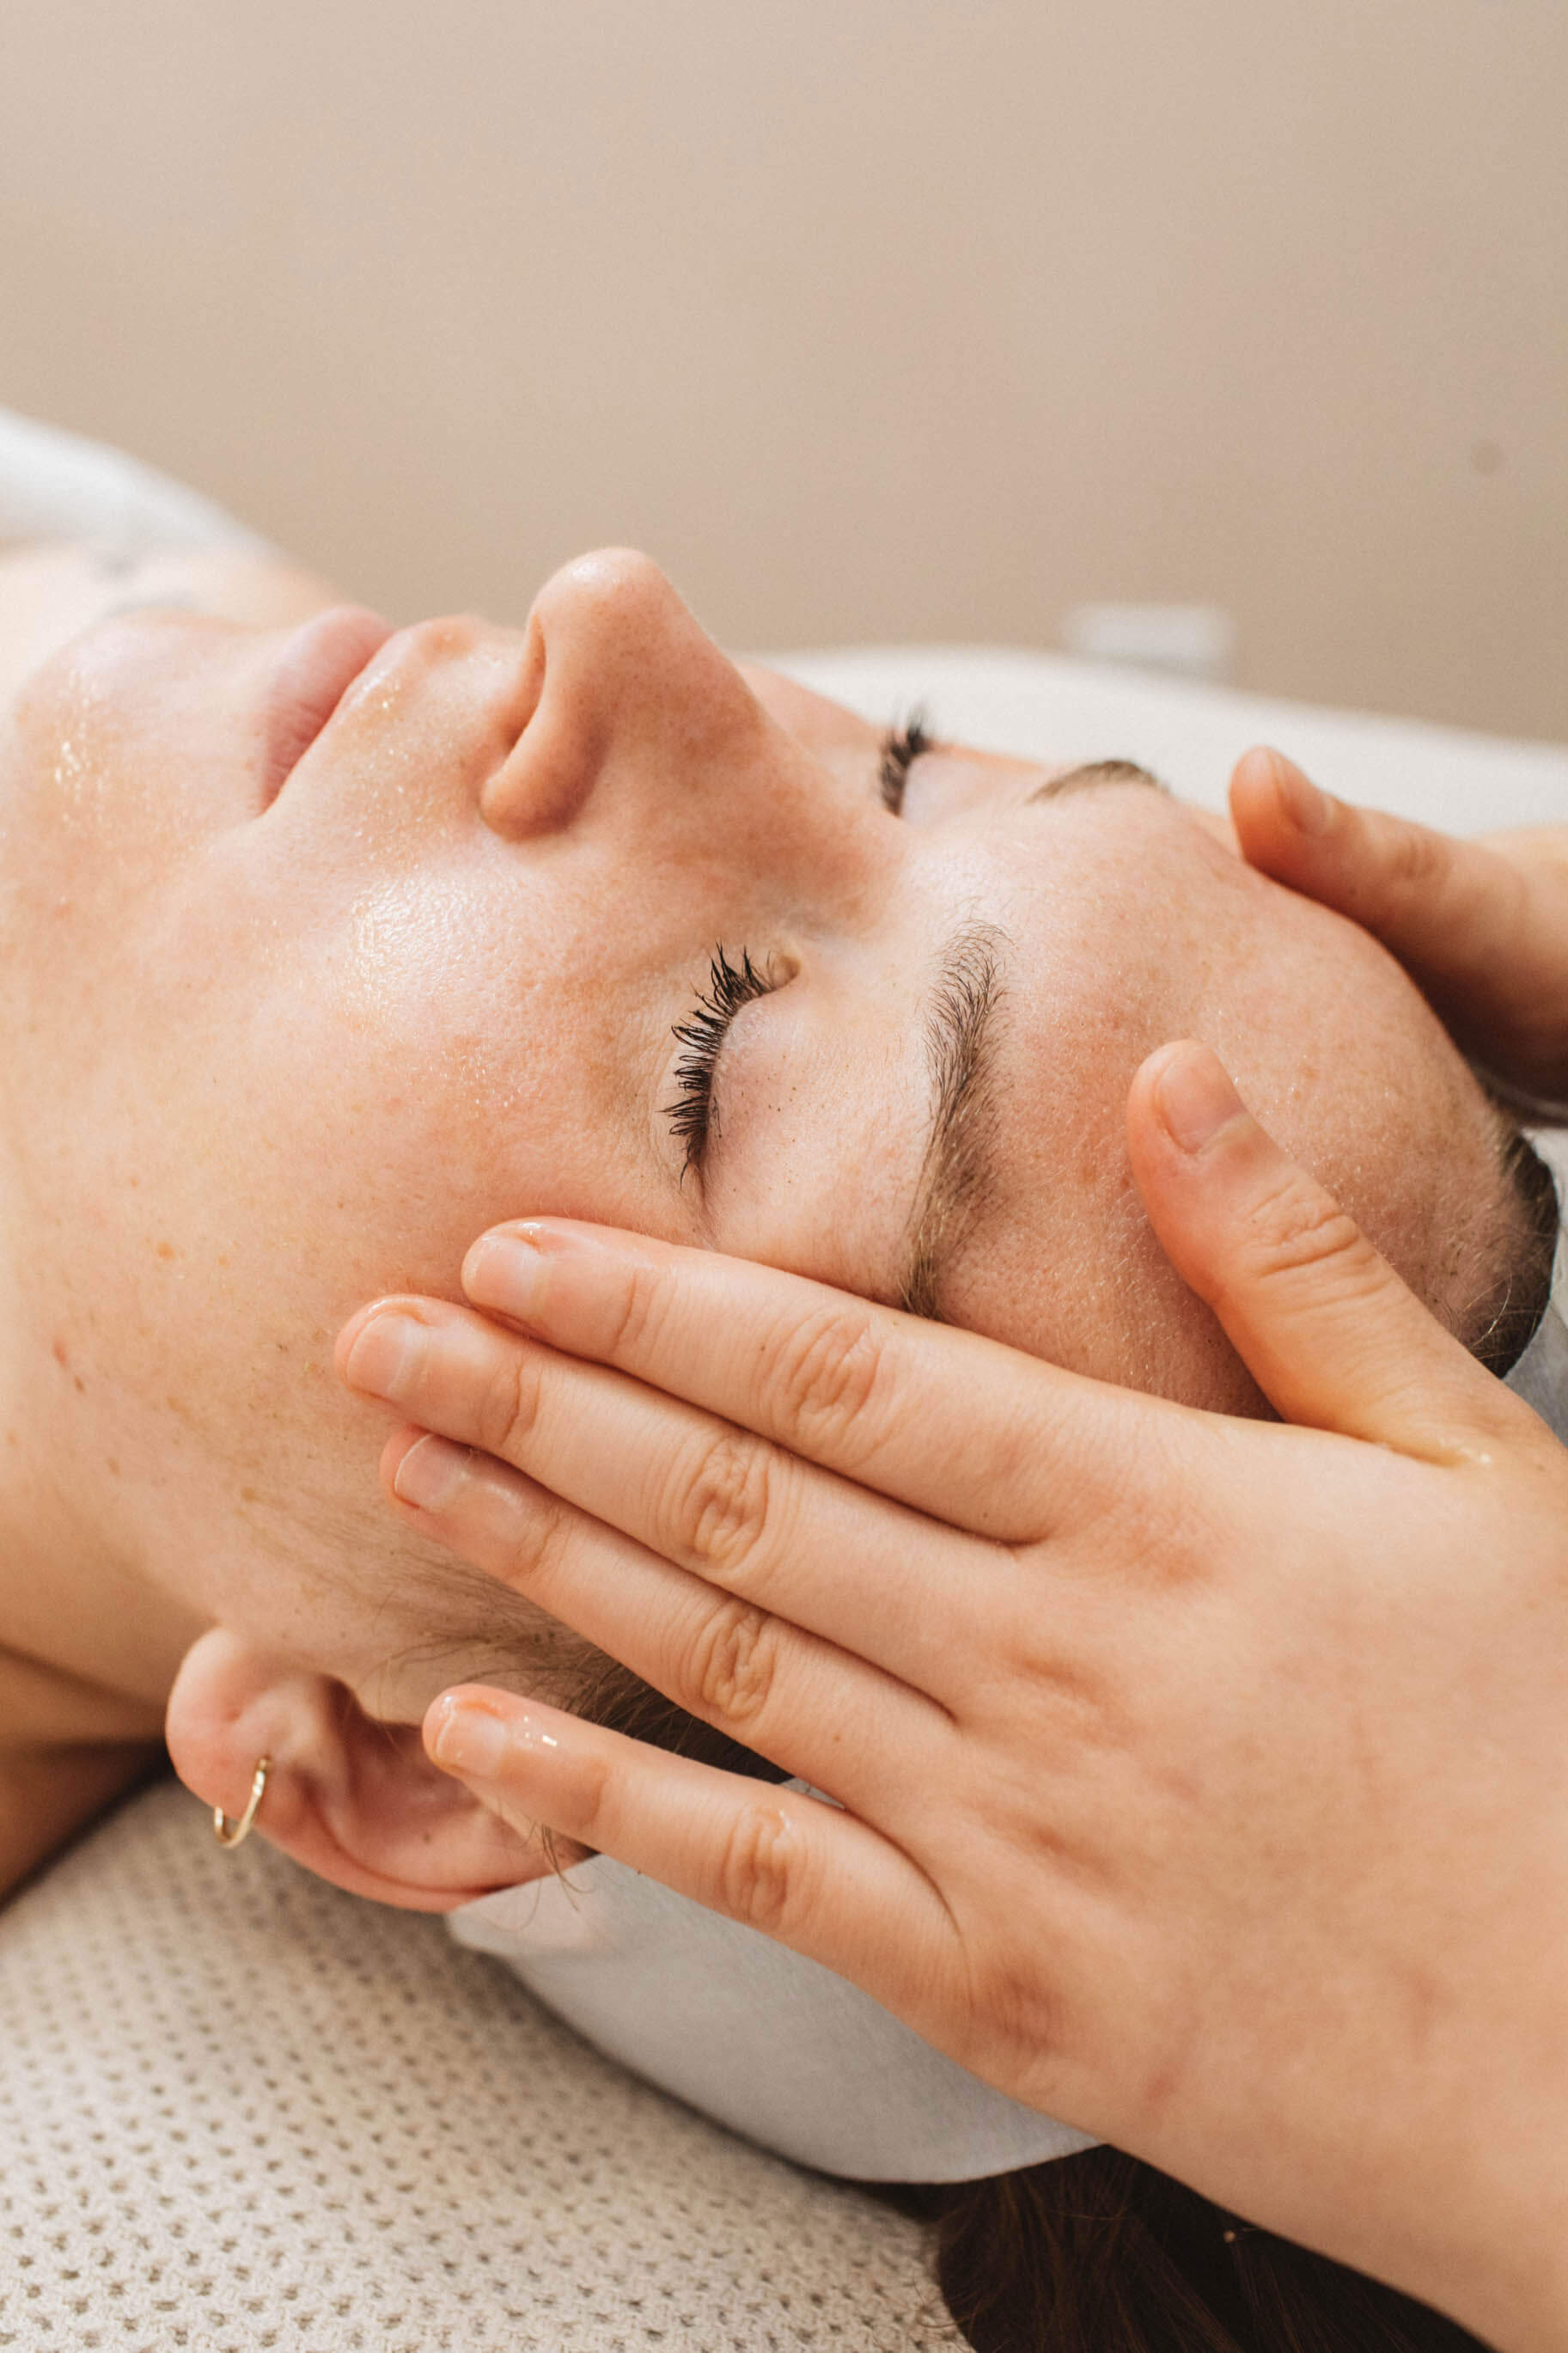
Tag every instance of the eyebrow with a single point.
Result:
(956, 1168)
(1091, 772)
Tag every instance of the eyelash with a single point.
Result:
(901, 747)
(690, 1115)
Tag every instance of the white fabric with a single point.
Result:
(759, 2038)
(1541, 1375)
(57, 486)
(1054, 709)
(240, 2110)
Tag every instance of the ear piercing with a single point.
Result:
(233, 1834)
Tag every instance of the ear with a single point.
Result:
(356, 1800)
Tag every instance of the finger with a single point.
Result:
(736, 1510)
(974, 1433)
(809, 1875)
(1482, 931)
(1326, 1327)
(833, 1719)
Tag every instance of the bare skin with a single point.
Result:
(276, 1051)
(69, 1743)
(1481, 925)
(303, 994)
(1308, 1957)
(1202, 1782)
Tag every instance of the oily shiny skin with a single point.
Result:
(272, 1058)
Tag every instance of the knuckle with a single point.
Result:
(733, 1661)
(1412, 864)
(1023, 2011)
(827, 1372)
(541, 1551)
(759, 1869)
(593, 1793)
(510, 1402)
(720, 1509)
(1414, 861)
(635, 1322)
(1298, 1230)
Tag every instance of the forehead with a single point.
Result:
(1132, 922)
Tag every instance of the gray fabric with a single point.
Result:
(240, 2110)
(1541, 1375)
(757, 2037)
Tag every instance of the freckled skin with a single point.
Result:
(263, 1068)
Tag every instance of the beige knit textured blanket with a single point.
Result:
(240, 2110)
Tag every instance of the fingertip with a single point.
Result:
(438, 1716)
(1191, 1094)
(408, 1304)
(1254, 774)
(465, 1733)
(1271, 795)
(393, 1454)
(343, 1347)
(504, 1271)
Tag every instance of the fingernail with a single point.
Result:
(471, 1741)
(503, 1271)
(1195, 1097)
(431, 1474)
(388, 1356)
(1309, 810)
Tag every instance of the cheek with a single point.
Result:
(280, 1118)
(226, 1133)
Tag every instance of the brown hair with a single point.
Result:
(1100, 2253)
(1523, 1290)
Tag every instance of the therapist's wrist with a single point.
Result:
(1496, 2226)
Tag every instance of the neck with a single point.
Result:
(60, 1763)
(88, 1651)
(89, 1645)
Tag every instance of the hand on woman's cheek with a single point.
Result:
(1167, 1746)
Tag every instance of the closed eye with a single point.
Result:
(902, 745)
(730, 986)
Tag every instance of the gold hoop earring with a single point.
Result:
(233, 1834)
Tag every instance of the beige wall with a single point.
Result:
(872, 318)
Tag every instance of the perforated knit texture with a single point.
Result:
(240, 2110)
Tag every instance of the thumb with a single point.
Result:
(1325, 1326)
(1480, 926)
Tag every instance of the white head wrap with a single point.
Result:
(765, 2041)
(1541, 1375)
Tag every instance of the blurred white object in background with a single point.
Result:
(1197, 641)
(57, 486)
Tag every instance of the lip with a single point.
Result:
(317, 666)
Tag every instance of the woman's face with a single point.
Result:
(325, 949)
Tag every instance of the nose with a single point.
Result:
(629, 691)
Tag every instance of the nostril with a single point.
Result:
(546, 777)
(622, 681)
